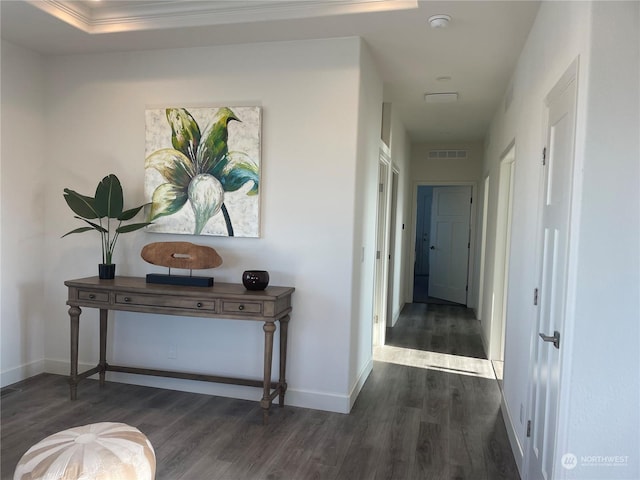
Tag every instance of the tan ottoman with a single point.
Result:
(99, 451)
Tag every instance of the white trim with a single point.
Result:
(516, 448)
(362, 378)
(483, 249)
(315, 400)
(21, 372)
(132, 16)
(497, 317)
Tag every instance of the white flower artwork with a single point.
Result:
(202, 170)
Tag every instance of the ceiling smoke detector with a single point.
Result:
(439, 21)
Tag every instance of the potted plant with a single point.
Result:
(106, 211)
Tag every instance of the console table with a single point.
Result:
(224, 300)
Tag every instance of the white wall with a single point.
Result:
(94, 125)
(401, 159)
(602, 400)
(23, 161)
(364, 222)
(425, 169)
(600, 383)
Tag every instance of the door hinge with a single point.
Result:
(535, 296)
(375, 319)
(471, 201)
(544, 156)
(381, 188)
(466, 289)
(528, 428)
(378, 255)
(468, 244)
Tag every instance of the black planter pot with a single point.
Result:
(107, 271)
(255, 279)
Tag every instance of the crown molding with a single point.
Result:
(122, 16)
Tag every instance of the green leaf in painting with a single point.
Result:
(213, 144)
(80, 204)
(174, 166)
(109, 198)
(185, 133)
(236, 170)
(167, 200)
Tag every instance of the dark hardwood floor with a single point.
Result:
(450, 329)
(439, 419)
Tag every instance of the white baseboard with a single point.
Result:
(297, 398)
(396, 315)
(516, 448)
(485, 343)
(328, 402)
(21, 372)
(355, 391)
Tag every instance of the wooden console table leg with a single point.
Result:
(284, 328)
(265, 403)
(74, 316)
(104, 313)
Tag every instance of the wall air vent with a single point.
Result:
(447, 154)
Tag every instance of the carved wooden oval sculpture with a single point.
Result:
(181, 255)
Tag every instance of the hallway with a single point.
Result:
(421, 415)
(437, 351)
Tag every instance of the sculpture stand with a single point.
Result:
(168, 279)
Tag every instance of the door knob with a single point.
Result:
(555, 339)
(432, 247)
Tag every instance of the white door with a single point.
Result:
(556, 208)
(449, 259)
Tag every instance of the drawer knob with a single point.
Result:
(127, 299)
(92, 296)
(199, 305)
(240, 307)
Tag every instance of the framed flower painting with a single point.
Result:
(202, 170)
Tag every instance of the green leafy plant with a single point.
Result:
(199, 169)
(107, 208)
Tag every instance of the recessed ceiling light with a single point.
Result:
(439, 21)
(447, 97)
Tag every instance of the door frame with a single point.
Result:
(497, 315)
(566, 352)
(381, 275)
(393, 184)
(411, 259)
(483, 247)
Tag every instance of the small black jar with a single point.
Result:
(255, 279)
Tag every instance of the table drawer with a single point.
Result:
(166, 301)
(93, 296)
(241, 307)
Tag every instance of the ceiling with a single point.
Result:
(475, 54)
